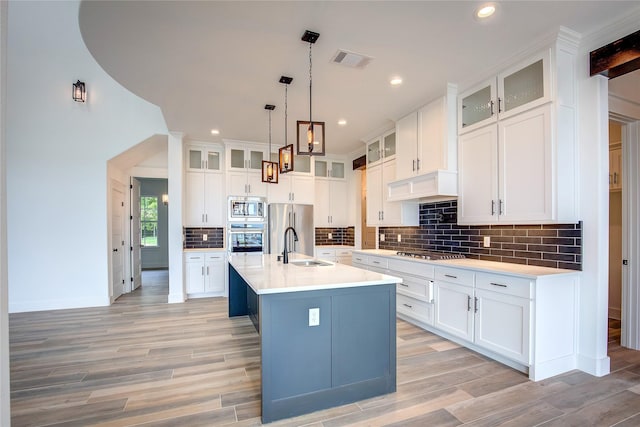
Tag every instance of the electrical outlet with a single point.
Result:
(382, 237)
(314, 316)
(487, 241)
(330, 236)
(399, 238)
(204, 237)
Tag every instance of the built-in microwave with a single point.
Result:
(247, 208)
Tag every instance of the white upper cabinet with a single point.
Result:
(293, 187)
(426, 139)
(329, 168)
(524, 86)
(517, 155)
(244, 169)
(331, 198)
(381, 211)
(382, 148)
(204, 187)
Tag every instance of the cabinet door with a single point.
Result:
(615, 169)
(432, 137)
(194, 275)
(237, 183)
(391, 211)
(337, 170)
(281, 192)
(255, 185)
(406, 145)
(374, 195)
(194, 199)
(321, 209)
(339, 212)
(454, 309)
(374, 152)
(303, 190)
(525, 167)
(213, 160)
(476, 107)
(389, 146)
(524, 86)
(214, 270)
(195, 159)
(237, 158)
(502, 324)
(478, 176)
(214, 199)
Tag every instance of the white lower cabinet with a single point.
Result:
(525, 320)
(339, 255)
(204, 273)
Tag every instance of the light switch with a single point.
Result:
(330, 236)
(487, 241)
(204, 237)
(399, 238)
(382, 237)
(314, 316)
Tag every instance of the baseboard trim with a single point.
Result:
(57, 304)
(598, 367)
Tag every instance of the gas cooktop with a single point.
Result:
(431, 255)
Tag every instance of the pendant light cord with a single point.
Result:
(310, 80)
(269, 135)
(286, 87)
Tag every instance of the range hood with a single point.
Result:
(429, 187)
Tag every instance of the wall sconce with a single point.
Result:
(285, 153)
(165, 199)
(79, 92)
(269, 169)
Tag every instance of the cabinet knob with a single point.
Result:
(115, 250)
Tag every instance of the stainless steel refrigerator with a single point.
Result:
(283, 215)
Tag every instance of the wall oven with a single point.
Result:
(247, 209)
(246, 237)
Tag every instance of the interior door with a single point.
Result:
(117, 241)
(136, 259)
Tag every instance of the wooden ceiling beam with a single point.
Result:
(617, 58)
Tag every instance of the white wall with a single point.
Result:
(5, 415)
(57, 152)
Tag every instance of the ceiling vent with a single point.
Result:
(351, 59)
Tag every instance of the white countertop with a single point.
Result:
(266, 275)
(530, 271)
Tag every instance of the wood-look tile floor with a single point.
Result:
(144, 362)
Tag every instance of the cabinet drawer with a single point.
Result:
(517, 286)
(216, 256)
(326, 253)
(378, 262)
(193, 257)
(453, 275)
(416, 268)
(411, 307)
(416, 288)
(360, 259)
(343, 252)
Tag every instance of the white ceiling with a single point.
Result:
(215, 64)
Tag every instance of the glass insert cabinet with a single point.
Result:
(513, 91)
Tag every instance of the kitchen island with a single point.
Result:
(327, 332)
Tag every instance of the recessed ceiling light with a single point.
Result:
(486, 10)
(395, 81)
(342, 122)
(215, 132)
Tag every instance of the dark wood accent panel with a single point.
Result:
(617, 58)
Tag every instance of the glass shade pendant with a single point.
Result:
(310, 134)
(269, 169)
(79, 92)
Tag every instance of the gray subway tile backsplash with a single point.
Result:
(552, 245)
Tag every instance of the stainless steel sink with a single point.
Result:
(309, 263)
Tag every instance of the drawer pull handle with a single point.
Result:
(498, 284)
(403, 284)
(407, 305)
(468, 303)
(376, 262)
(451, 276)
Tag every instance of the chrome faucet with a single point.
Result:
(285, 253)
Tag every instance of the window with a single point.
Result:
(149, 220)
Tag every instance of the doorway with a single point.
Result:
(615, 232)
(117, 240)
(368, 233)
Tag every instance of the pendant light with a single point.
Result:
(310, 134)
(269, 169)
(285, 153)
